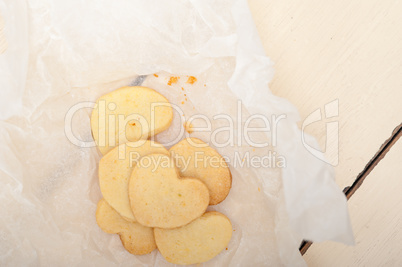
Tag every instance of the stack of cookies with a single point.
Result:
(154, 197)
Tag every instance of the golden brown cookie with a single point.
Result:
(133, 114)
(194, 158)
(115, 170)
(136, 239)
(196, 242)
(159, 198)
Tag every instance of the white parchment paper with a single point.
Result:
(63, 53)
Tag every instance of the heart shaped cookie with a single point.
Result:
(196, 242)
(115, 170)
(136, 239)
(159, 198)
(194, 158)
(129, 114)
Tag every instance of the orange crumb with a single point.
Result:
(253, 149)
(156, 75)
(191, 80)
(186, 98)
(205, 85)
(173, 80)
(188, 127)
(226, 248)
(182, 89)
(185, 95)
(182, 102)
(259, 189)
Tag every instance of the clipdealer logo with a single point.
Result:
(237, 129)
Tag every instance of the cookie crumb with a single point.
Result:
(156, 75)
(191, 80)
(188, 127)
(182, 102)
(226, 248)
(259, 189)
(182, 89)
(173, 80)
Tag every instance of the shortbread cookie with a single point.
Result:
(136, 239)
(115, 170)
(137, 113)
(159, 198)
(196, 242)
(194, 158)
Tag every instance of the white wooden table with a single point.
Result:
(350, 51)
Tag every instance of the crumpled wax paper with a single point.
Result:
(64, 53)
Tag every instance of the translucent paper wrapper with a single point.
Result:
(65, 54)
